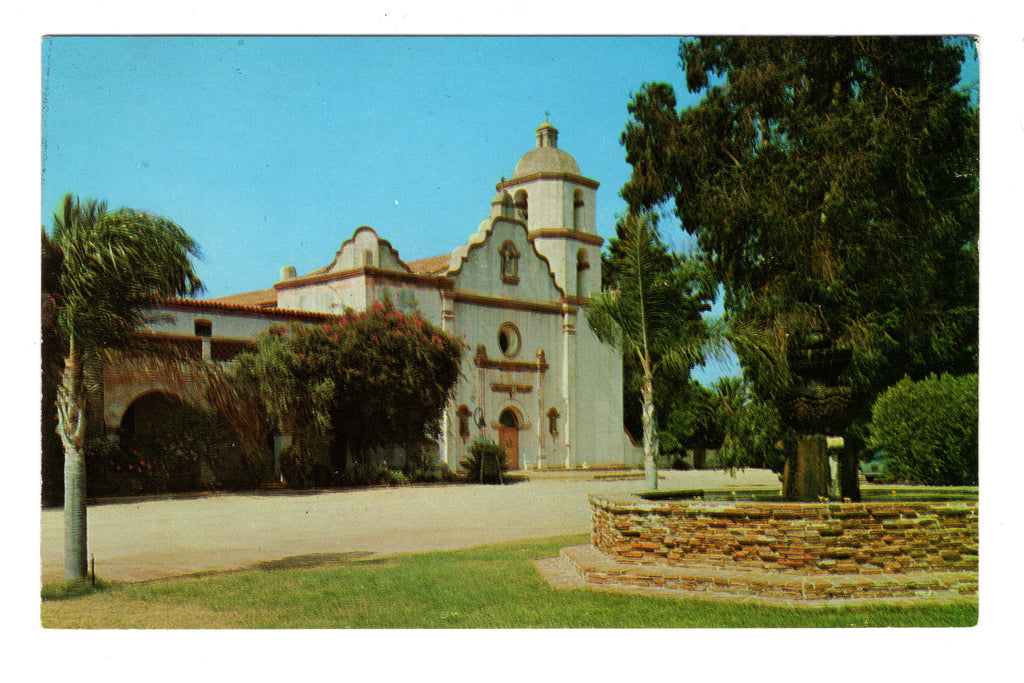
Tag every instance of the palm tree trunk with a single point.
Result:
(71, 423)
(650, 434)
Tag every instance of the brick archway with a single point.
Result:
(147, 409)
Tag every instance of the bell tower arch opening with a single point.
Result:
(557, 203)
(522, 208)
(583, 277)
(578, 207)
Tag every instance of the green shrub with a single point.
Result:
(928, 431)
(483, 447)
(420, 465)
(294, 469)
(363, 474)
(103, 468)
(678, 461)
(390, 477)
(302, 468)
(348, 476)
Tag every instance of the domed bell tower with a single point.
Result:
(557, 204)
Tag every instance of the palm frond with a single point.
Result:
(641, 303)
(115, 266)
(603, 316)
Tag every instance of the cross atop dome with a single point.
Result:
(547, 135)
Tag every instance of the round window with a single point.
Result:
(509, 340)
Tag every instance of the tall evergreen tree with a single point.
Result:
(832, 186)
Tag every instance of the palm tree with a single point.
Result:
(645, 318)
(731, 394)
(115, 266)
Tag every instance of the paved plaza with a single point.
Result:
(164, 537)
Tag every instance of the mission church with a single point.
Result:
(536, 378)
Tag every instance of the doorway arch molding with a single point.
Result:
(508, 428)
(521, 423)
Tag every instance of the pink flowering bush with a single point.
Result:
(367, 379)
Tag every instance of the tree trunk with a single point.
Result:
(71, 424)
(700, 458)
(806, 474)
(650, 435)
(849, 466)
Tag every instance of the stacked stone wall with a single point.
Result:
(809, 538)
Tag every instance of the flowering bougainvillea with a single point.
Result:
(367, 379)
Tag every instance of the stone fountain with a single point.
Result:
(816, 406)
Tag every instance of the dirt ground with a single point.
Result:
(159, 538)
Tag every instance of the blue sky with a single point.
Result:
(273, 150)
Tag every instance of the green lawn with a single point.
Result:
(486, 587)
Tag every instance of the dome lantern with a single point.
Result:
(546, 157)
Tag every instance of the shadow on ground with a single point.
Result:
(313, 560)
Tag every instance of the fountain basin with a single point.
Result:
(829, 549)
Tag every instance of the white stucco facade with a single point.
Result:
(535, 377)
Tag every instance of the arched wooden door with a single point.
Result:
(508, 437)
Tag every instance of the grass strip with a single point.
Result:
(493, 586)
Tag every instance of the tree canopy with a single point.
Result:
(114, 267)
(750, 428)
(832, 187)
(373, 378)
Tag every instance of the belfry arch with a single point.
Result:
(578, 208)
(522, 207)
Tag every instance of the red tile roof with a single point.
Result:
(271, 312)
(263, 298)
(435, 265)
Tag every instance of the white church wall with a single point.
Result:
(408, 297)
(514, 378)
(554, 250)
(601, 439)
(479, 270)
(365, 248)
(182, 322)
(224, 323)
(332, 296)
